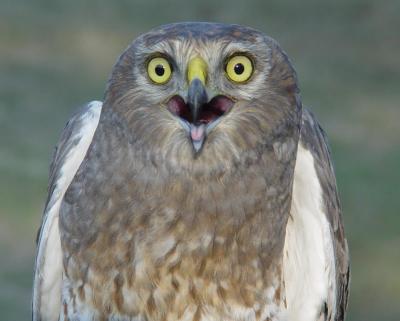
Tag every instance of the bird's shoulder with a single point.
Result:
(67, 157)
(73, 144)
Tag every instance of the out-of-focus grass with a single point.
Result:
(56, 55)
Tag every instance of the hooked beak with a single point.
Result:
(198, 115)
(197, 97)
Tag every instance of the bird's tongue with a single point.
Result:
(197, 132)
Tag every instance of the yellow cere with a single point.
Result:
(239, 69)
(159, 70)
(197, 68)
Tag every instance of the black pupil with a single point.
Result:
(239, 68)
(159, 70)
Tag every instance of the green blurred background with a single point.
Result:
(56, 55)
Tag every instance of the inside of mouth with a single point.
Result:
(209, 112)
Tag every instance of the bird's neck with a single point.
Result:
(249, 202)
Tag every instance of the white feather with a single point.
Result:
(308, 266)
(48, 270)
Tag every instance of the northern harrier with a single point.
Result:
(200, 189)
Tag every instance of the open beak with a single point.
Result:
(196, 99)
(198, 115)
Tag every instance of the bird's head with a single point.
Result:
(204, 91)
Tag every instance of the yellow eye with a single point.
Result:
(239, 68)
(159, 70)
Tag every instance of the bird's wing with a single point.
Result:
(68, 155)
(316, 261)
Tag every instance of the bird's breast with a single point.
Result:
(184, 252)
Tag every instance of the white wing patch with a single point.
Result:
(48, 269)
(308, 264)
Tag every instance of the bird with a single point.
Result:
(199, 189)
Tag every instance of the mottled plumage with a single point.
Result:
(183, 200)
